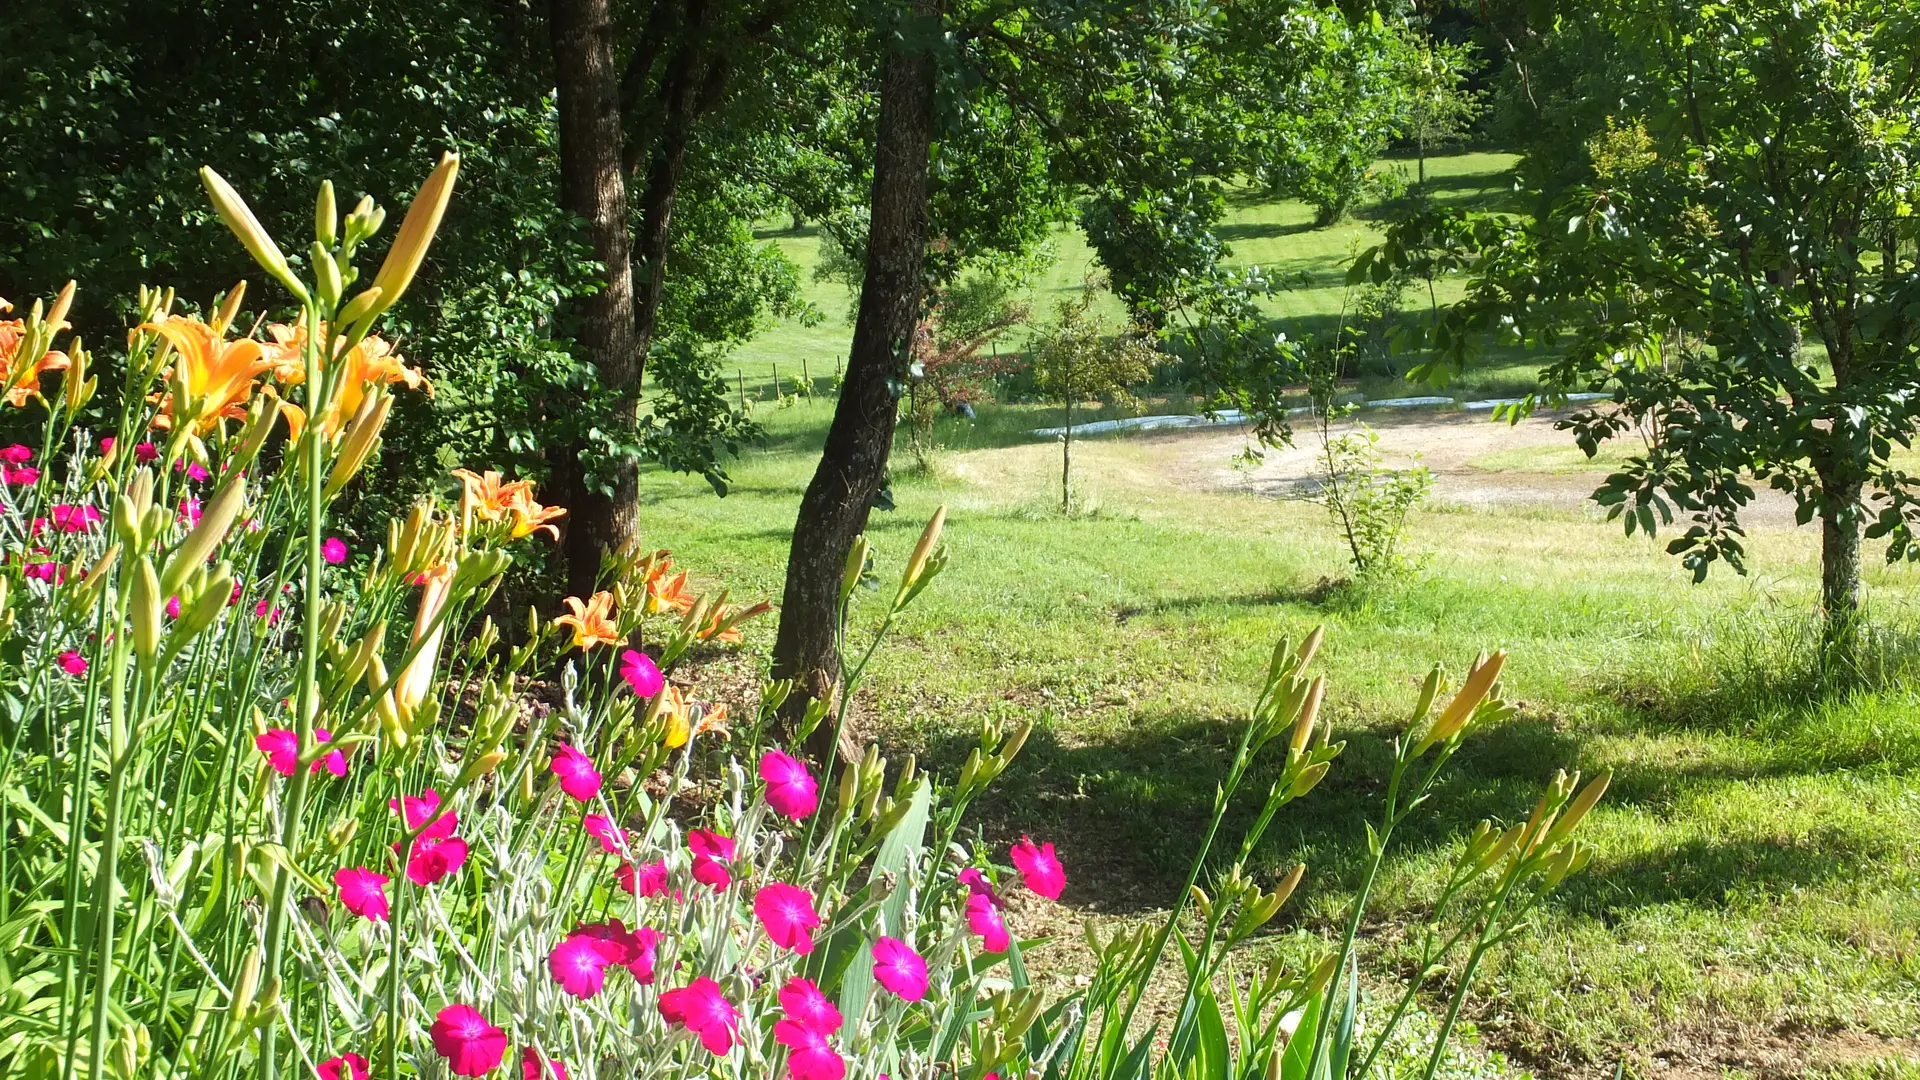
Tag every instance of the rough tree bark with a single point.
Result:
(853, 465)
(592, 185)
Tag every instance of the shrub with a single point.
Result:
(275, 806)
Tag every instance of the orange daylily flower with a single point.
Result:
(592, 621)
(23, 383)
(723, 624)
(218, 374)
(664, 594)
(371, 362)
(675, 709)
(488, 497)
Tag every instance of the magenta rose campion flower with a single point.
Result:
(788, 914)
(432, 860)
(579, 963)
(416, 811)
(282, 748)
(809, 1055)
(804, 1004)
(578, 778)
(531, 1067)
(22, 476)
(74, 519)
(471, 1046)
(344, 1067)
(641, 673)
(711, 854)
(334, 550)
(362, 892)
(146, 451)
(898, 968)
(1039, 867)
(701, 1008)
(72, 663)
(16, 454)
(791, 789)
(984, 918)
(648, 879)
(602, 828)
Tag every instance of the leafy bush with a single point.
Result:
(277, 806)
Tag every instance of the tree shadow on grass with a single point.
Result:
(1714, 872)
(1261, 230)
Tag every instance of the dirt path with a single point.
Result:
(1475, 462)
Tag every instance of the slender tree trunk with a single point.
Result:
(593, 186)
(1066, 462)
(690, 83)
(1840, 590)
(853, 465)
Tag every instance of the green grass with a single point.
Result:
(1757, 885)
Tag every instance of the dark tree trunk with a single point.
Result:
(593, 186)
(691, 84)
(1840, 591)
(853, 466)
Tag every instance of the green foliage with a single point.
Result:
(1369, 502)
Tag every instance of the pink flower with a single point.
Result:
(50, 572)
(189, 514)
(419, 810)
(1039, 867)
(146, 451)
(788, 914)
(641, 673)
(898, 968)
(362, 892)
(433, 860)
(471, 1046)
(644, 954)
(702, 1009)
(334, 550)
(810, 1056)
(578, 778)
(195, 470)
(16, 454)
(282, 748)
(72, 663)
(791, 789)
(985, 919)
(263, 610)
(579, 964)
(72, 518)
(346, 1066)
(106, 445)
(711, 854)
(531, 1069)
(804, 1004)
(650, 879)
(173, 607)
(22, 476)
(602, 828)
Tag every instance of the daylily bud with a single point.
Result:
(358, 307)
(145, 610)
(1479, 682)
(1312, 645)
(1323, 974)
(326, 275)
(929, 536)
(363, 435)
(230, 307)
(260, 419)
(1303, 728)
(1291, 882)
(215, 518)
(57, 316)
(1309, 778)
(1578, 808)
(363, 653)
(94, 583)
(1013, 745)
(416, 232)
(239, 218)
(78, 388)
(212, 601)
(1200, 901)
(326, 218)
(246, 983)
(856, 565)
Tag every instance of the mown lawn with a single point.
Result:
(1754, 908)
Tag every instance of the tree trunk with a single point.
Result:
(685, 90)
(1840, 591)
(853, 465)
(1066, 463)
(592, 185)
